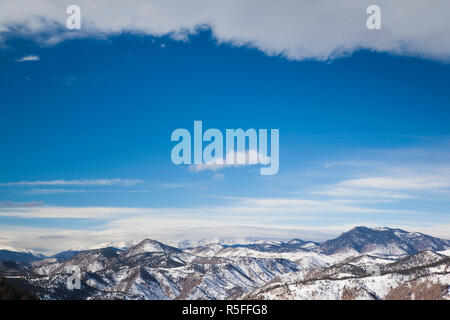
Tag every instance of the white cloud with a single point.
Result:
(81, 182)
(72, 212)
(241, 159)
(418, 182)
(338, 191)
(235, 209)
(295, 29)
(171, 232)
(314, 207)
(28, 58)
(213, 165)
(402, 174)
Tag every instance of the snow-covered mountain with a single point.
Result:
(383, 241)
(362, 263)
(423, 276)
(19, 255)
(152, 270)
(379, 241)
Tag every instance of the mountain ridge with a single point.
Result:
(361, 239)
(151, 269)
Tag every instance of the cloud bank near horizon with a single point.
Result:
(296, 30)
(43, 239)
(79, 182)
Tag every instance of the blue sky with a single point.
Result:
(85, 131)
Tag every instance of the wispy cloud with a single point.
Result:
(308, 206)
(412, 182)
(353, 192)
(234, 208)
(53, 191)
(72, 212)
(397, 174)
(394, 184)
(12, 204)
(81, 182)
(28, 58)
(183, 185)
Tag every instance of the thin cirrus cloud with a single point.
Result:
(236, 209)
(12, 204)
(345, 192)
(52, 191)
(391, 186)
(400, 183)
(28, 58)
(80, 182)
(394, 174)
(71, 212)
(294, 29)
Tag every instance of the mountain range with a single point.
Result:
(363, 263)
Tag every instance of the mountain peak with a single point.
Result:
(29, 251)
(384, 240)
(19, 255)
(149, 246)
(375, 229)
(296, 241)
